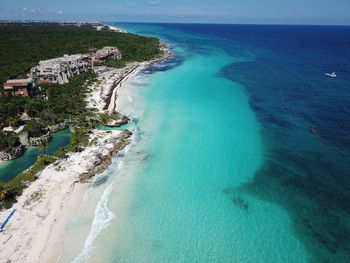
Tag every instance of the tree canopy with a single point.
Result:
(35, 128)
(23, 45)
(8, 141)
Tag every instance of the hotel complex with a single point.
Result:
(59, 70)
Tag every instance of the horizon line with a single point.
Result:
(155, 22)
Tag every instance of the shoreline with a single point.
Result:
(37, 230)
(112, 96)
(116, 29)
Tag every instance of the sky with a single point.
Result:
(329, 12)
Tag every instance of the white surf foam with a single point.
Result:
(101, 219)
(129, 98)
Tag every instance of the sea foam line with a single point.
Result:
(102, 216)
(101, 219)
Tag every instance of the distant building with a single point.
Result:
(23, 87)
(59, 70)
(99, 27)
(104, 54)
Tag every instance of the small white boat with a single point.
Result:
(332, 75)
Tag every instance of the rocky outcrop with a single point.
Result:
(118, 123)
(104, 161)
(37, 141)
(57, 127)
(13, 154)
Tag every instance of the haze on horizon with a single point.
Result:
(323, 12)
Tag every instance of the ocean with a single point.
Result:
(240, 153)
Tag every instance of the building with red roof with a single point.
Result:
(22, 87)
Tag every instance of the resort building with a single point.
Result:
(22, 87)
(59, 70)
(105, 54)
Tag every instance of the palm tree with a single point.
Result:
(44, 146)
(3, 193)
(12, 121)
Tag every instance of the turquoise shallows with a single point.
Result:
(204, 144)
(176, 195)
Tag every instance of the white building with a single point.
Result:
(59, 70)
(105, 54)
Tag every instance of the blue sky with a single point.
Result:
(205, 11)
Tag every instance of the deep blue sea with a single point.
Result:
(242, 153)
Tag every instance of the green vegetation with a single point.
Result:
(115, 63)
(105, 118)
(10, 106)
(8, 141)
(34, 106)
(68, 100)
(3, 193)
(48, 117)
(62, 101)
(35, 128)
(22, 45)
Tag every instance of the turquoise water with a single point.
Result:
(187, 205)
(10, 169)
(176, 194)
